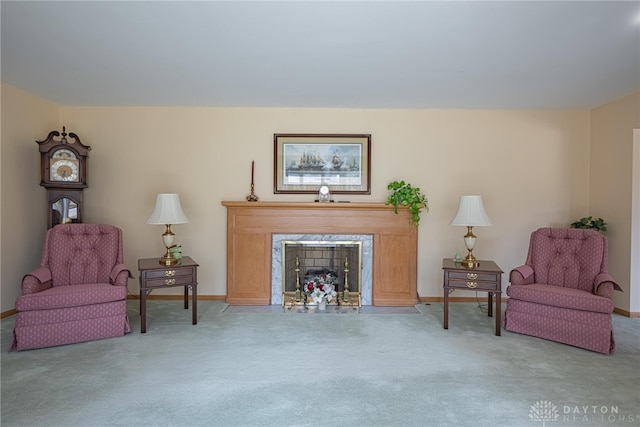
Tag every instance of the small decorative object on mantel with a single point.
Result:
(406, 195)
(324, 194)
(252, 197)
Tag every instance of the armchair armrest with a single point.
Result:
(36, 281)
(604, 285)
(522, 275)
(120, 275)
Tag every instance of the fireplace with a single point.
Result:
(318, 254)
(389, 258)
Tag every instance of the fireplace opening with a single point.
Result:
(317, 255)
(336, 262)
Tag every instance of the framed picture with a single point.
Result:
(303, 162)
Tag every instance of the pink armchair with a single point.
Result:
(79, 291)
(563, 292)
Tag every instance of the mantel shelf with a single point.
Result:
(310, 205)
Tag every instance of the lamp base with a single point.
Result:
(168, 259)
(470, 262)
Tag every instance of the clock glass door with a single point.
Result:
(64, 211)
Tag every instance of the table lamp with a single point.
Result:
(470, 214)
(168, 211)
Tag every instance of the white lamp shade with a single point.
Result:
(168, 210)
(471, 213)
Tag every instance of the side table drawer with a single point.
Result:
(472, 285)
(468, 275)
(168, 277)
(168, 273)
(172, 281)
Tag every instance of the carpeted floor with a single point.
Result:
(247, 367)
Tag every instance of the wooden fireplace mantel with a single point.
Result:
(250, 226)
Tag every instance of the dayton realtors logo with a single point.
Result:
(545, 411)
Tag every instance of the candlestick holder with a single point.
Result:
(252, 197)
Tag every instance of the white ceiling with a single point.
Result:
(366, 54)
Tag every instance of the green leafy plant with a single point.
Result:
(403, 194)
(590, 223)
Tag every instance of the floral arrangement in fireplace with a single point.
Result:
(321, 287)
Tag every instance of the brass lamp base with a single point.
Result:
(168, 259)
(470, 241)
(470, 261)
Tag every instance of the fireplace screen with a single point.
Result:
(336, 262)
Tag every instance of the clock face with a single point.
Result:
(64, 166)
(324, 194)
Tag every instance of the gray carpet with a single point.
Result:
(240, 367)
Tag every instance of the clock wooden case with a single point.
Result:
(63, 172)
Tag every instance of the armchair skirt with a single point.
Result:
(46, 328)
(586, 329)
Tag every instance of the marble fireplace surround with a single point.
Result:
(277, 255)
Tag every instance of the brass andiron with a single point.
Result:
(345, 294)
(298, 296)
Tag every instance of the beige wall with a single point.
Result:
(204, 154)
(612, 166)
(23, 219)
(531, 167)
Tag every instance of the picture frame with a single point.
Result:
(304, 162)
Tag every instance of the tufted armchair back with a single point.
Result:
(568, 257)
(81, 253)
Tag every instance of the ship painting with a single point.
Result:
(315, 162)
(336, 162)
(303, 162)
(310, 162)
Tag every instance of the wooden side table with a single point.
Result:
(153, 275)
(486, 278)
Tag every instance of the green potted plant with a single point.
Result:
(590, 223)
(404, 194)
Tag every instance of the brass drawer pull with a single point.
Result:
(472, 276)
(472, 285)
(170, 282)
(170, 273)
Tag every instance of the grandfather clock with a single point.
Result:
(63, 171)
